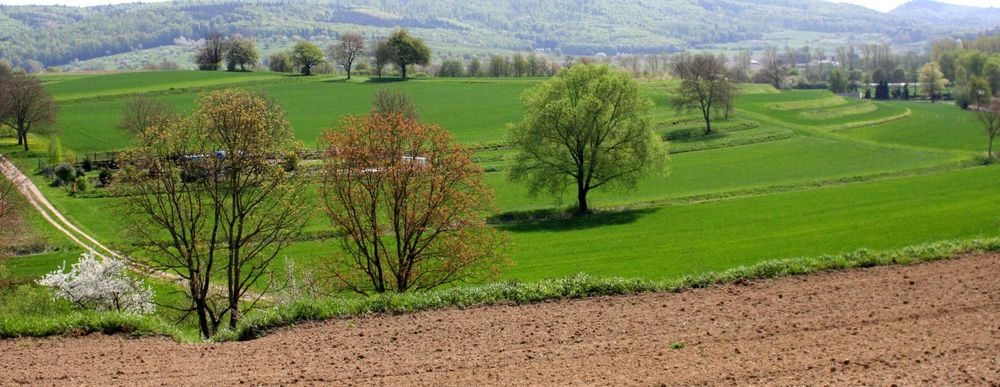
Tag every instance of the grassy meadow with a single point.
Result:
(794, 173)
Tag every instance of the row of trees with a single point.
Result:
(25, 105)
(400, 49)
(518, 65)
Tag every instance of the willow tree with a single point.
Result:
(589, 127)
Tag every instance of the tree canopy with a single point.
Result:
(588, 127)
(408, 50)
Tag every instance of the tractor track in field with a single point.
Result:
(934, 323)
(34, 196)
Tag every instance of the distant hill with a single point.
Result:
(933, 12)
(56, 35)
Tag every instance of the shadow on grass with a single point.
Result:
(561, 220)
(386, 80)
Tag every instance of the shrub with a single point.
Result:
(105, 177)
(55, 151)
(102, 285)
(64, 174)
(82, 184)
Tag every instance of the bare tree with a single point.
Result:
(207, 198)
(347, 50)
(773, 70)
(209, 56)
(388, 102)
(142, 111)
(410, 204)
(704, 87)
(382, 55)
(989, 116)
(25, 104)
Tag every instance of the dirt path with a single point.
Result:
(30, 191)
(930, 324)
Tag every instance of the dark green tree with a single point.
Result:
(408, 50)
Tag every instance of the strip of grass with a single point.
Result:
(936, 126)
(808, 103)
(582, 286)
(837, 112)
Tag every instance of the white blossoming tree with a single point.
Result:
(101, 284)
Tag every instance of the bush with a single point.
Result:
(64, 174)
(105, 177)
(101, 285)
(55, 151)
(81, 185)
(291, 162)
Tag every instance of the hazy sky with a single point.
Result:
(881, 5)
(888, 5)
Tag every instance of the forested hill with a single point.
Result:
(57, 35)
(929, 11)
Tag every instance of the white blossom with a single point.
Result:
(100, 284)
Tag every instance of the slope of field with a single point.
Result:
(68, 87)
(931, 126)
(928, 324)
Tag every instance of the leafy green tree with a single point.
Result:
(588, 127)
(382, 55)
(408, 50)
(705, 86)
(280, 62)
(837, 82)
(475, 68)
(452, 68)
(306, 55)
(241, 54)
(974, 91)
(932, 80)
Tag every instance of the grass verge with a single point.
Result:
(13, 325)
(582, 286)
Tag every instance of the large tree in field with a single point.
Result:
(989, 116)
(306, 56)
(932, 80)
(348, 49)
(207, 199)
(24, 105)
(408, 50)
(705, 86)
(588, 127)
(212, 52)
(409, 204)
(242, 54)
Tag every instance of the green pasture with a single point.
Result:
(775, 182)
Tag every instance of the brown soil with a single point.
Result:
(929, 324)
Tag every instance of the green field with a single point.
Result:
(795, 173)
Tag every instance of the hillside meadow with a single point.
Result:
(794, 173)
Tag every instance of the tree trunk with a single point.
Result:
(581, 197)
(403, 67)
(708, 121)
(989, 150)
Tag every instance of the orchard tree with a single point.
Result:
(25, 105)
(932, 80)
(705, 86)
(408, 50)
(142, 111)
(205, 198)
(410, 206)
(989, 116)
(306, 55)
(210, 54)
(588, 127)
(773, 70)
(241, 54)
(838, 83)
(382, 55)
(348, 49)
